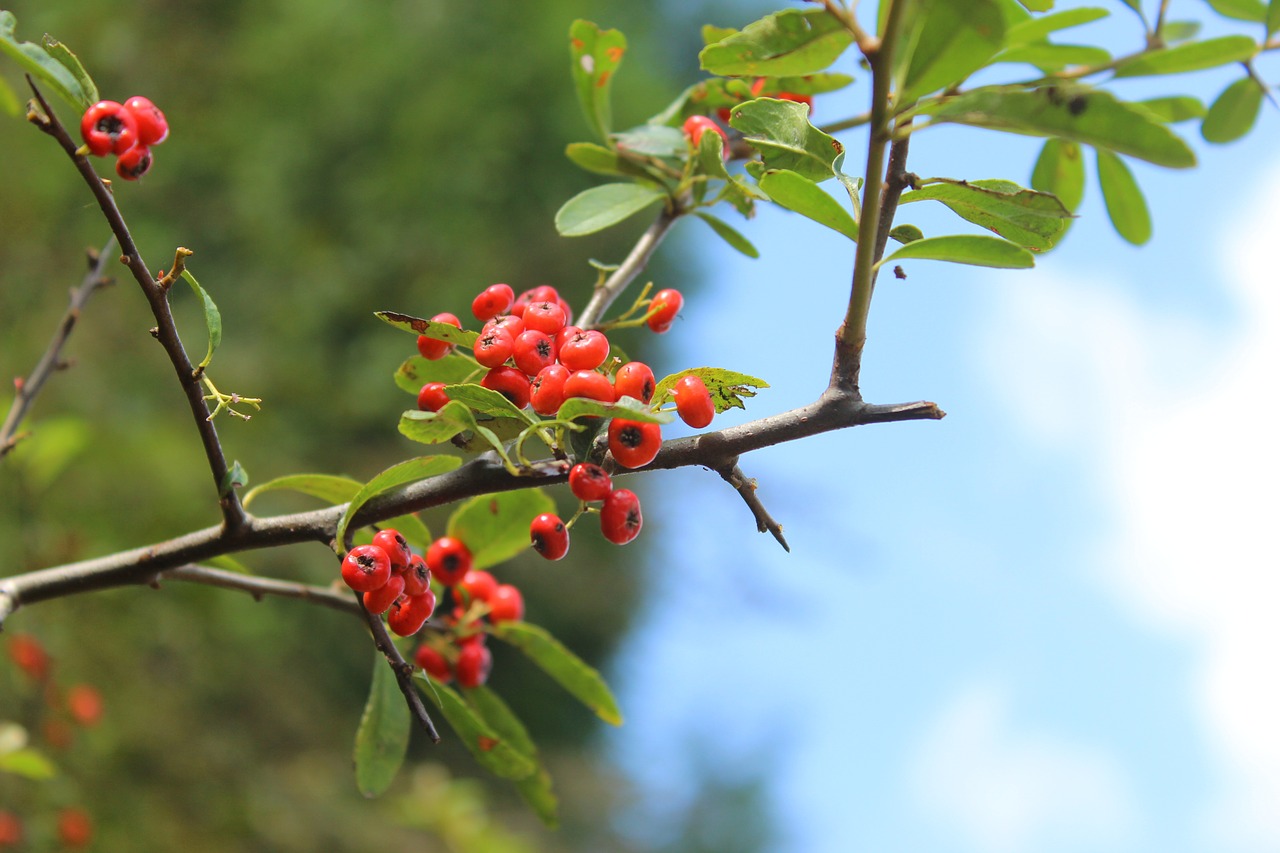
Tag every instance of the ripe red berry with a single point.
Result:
(449, 560)
(696, 126)
(620, 519)
(533, 351)
(433, 349)
(693, 401)
(506, 604)
(29, 655)
(432, 397)
(84, 703)
(108, 128)
(479, 585)
(547, 391)
(366, 567)
(378, 600)
(10, 829)
(634, 379)
(589, 482)
(546, 317)
(474, 663)
(409, 613)
(510, 382)
(75, 829)
(567, 309)
(666, 304)
(589, 384)
(390, 540)
(417, 576)
(494, 347)
(513, 324)
(544, 293)
(634, 443)
(549, 536)
(585, 350)
(493, 300)
(434, 664)
(134, 163)
(152, 127)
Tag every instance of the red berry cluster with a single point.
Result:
(461, 652)
(127, 130)
(393, 580)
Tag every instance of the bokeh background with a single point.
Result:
(1044, 623)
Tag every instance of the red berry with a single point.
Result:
(634, 379)
(479, 585)
(433, 663)
(494, 347)
(666, 304)
(417, 576)
(108, 128)
(546, 317)
(378, 600)
(366, 567)
(513, 324)
(565, 335)
(493, 300)
(547, 391)
(549, 536)
(475, 661)
(75, 829)
(585, 350)
(544, 293)
(634, 443)
(152, 127)
(693, 401)
(84, 703)
(410, 612)
(533, 351)
(589, 482)
(397, 549)
(10, 829)
(134, 163)
(589, 384)
(433, 349)
(620, 519)
(510, 383)
(696, 126)
(29, 656)
(506, 604)
(432, 397)
(568, 310)
(449, 560)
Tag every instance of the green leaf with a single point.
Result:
(1125, 205)
(383, 736)
(212, 318)
(1072, 112)
(235, 478)
(536, 788)
(1273, 17)
(1234, 112)
(437, 427)
(1055, 57)
(568, 670)
(1060, 170)
(1034, 220)
(1194, 56)
(1037, 5)
(486, 401)
(430, 328)
(8, 100)
(408, 471)
(596, 56)
(633, 410)
(712, 34)
(1174, 108)
(728, 387)
(28, 763)
(953, 40)
(906, 233)
(329, 488)
(797, 193)
(710, 156)
(729, 235)
(601, 207)
(973, 249)
(489, 748)
(46, 69)
(789, 43)
(1254, 11)
(229, 564)
(781, 132)
(1034, 29)
(412, 528)
(496, 527)
(1178, 31)
(452, 369)
(653, 140)
(71, 62)
(600, 160)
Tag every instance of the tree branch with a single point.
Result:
(635, 262)
(746, 487)
(403, 670)
(260, 587)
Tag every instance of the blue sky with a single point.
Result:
(1043, 623)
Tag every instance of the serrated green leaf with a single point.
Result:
(1174, 108)
(488, 747)
(1194, 56)
(212, 317)
(235, 478)
(1254, 11)
(729, 235)
(566, 668)
(781, 132)
(486, 401)
(728, 387)
(496, 527)
(906, 234)
(1060, 170)
(596, 55)
(801, 195)
(452, 369)
(37, 62)
(383, 735)
(972, 249)
(952, 41)
(788, 43)
(71, 62)
(601, 207)
(1054, 57)
(409, 471)
(1073, 112)
(1033, 220)
(1233, 112)
(330, 488)
(1126, 206)
(430, 328)
(1034, 29)
(579, 407)
(28, 763)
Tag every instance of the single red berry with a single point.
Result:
(479, 585)
(589, 384)
(693, 401)
(417, 576)
(390, 540)
(474, 663)
(589, 482)
(449, 560)
(666, 304)
(378, 600)
(494, 347)
(108, 128)
(546, 317)
(506, 604)
(549, 536)
(696, 126)
(567, 309)
(433, 349)
(544, 293)
(493, 300)
(620, 519)
(432, 397)
(75, 829)
(152, 127)
(634, 443)
(434, 664)
(29, 656)
(510, 382)
(547, 391)
(409, 613)
(565, 335)
(10, 829)
(585, 350)
(134, 163)
(533, 351)
(84, 703)
(366, 567)
(513, 324)
(634, 379)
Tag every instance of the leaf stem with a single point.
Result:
(632, 266)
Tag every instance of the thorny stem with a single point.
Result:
(746, 487)
(403, 670)
(635, 262)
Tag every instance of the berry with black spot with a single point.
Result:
(620, 518)
(390, 540)
(366, 567)
(108, 128)
(449, 560)
(589, 482)
(634, 443)
(549, 536)
(634, 379)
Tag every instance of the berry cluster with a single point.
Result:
(127, 130)
(392, 580)
(460, 652)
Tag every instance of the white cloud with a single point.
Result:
(1005, 791)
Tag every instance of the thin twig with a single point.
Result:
(403, 670)
(896, 179)
(635, 262)
(746, 487)
(260, 587)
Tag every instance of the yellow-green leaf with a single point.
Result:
(1126, 206)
